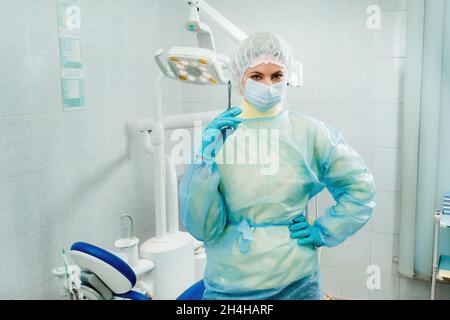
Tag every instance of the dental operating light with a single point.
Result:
(200, 65)
(196, 65)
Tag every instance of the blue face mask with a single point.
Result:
(264, 97)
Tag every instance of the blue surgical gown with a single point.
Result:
(241, 204)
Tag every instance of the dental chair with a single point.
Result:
(104, 276)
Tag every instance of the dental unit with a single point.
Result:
(164, 266)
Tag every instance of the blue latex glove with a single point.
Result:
(307, 234)
(217, 131)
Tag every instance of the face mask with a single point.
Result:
(264, 97)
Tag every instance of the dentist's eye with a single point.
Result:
(256, 77)
(277, 77)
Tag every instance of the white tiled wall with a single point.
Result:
(69, 176)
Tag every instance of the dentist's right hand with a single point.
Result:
(216, 132)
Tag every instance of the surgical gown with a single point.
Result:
(241, 209)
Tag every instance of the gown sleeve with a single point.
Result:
(202, 207)
(349, 181)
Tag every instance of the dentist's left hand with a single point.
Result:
(306, 233)
(216, 132)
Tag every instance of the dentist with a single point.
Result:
(259, 243)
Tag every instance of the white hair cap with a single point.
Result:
(261, 48)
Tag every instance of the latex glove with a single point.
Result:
(307, 234)
(217, 131)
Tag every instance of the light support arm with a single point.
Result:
(205, 36)
(236, 34)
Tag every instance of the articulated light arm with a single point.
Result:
(236, 34)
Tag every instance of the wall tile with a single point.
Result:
(389, 80)
(331, 281)
(8, 288)
(54, 239)
(20, 155)
(391, 38)
(46, 84)
(359, 78)
(333, 7)
(79, 126)
(28, 261)
(361, 40)
(360, 6)
(49, 140)
(332, 36)
(330, 85)
(386, 218)
(356, 251)
(43, 27)
(102, 29)
(277, 9)
(104, 82)
(5, 215)
(35, 293)
(15, 84)
(354, 285)
(81, 228)
(13, 17)
(414, 289)
(304, 8)
(248, 11)
(393, 5)
(331, 256)
(53, 195)
(387, 169)
(357, 124)
(388, 125)
(54, 290)
(24, 204)
(230, 9)
(383, 252)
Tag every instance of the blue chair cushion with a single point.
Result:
(195, 292)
